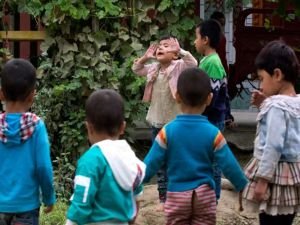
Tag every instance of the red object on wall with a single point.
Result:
(24, 45)
(197, 8)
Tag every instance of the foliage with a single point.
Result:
(91, 44)
(56, 217)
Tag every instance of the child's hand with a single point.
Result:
(257, 98)
(260, 189)
(174, 45)
(48, 209)
(150, 53)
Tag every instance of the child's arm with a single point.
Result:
(228, 163)
(187, 60)
(137, 192)
(257, 97)
(85, 189)
(139, 66)
(274, 144)
(44, 167)
(156, 156)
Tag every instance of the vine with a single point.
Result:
(91, 44)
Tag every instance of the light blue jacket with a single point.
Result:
(278, 133)
(25, 167)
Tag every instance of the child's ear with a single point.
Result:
(209, 98)
(89, 127)
(206, 40)
(178, 98)
(278, 75)
(122, 128)
(30, 97)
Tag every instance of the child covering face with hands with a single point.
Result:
(161, 87)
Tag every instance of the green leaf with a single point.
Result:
(164, 4)
(136, 46)
(115, 45)
(126, 50)
(68, 47)
(86, 30)
(47, 43)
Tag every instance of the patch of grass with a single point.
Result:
(56, 217)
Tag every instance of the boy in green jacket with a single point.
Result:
(109, 175)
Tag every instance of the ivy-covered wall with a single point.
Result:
(92, 44)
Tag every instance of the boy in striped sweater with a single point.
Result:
(189, 145)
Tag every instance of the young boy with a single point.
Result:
(108, 174)
(189, 145)
(207, 40)
(25, 167)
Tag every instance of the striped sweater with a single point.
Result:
(188, 145)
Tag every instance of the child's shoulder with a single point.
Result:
(290, 105)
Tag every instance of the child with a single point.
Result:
(161, 88)
(25, 166)
(109, 174)
(274, 171)
(221, 48)
(189, 145)
(207, 40)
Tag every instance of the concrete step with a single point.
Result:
(241, 136)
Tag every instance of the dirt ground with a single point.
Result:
(227, 210)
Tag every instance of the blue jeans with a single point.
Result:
(24, 218)
(162, 178)
(217, 170)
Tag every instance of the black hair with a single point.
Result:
(193, 86)
(18, 79)
(212, 30)
(216, 15)
(276, 54)
(166, 37)
(105, 111)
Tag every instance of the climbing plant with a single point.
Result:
(91, 44)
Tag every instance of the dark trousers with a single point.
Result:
(216, 168)
(265, 219)
(162, 178)
(24, 218)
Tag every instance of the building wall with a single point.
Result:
(206, 9)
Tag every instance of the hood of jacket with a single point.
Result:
(127, 169)
(16, 128)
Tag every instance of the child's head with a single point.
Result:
(218, 16)
(163, 53)
(18, 80)
(104, 114)
(208, 36)
(194, 88)
(276, 65)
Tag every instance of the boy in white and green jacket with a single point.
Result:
(109, 175)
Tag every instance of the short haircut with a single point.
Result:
(277, 54)
(212, 30)
(105, 111)
(18, 79)
(193, 86)
(216, 15)
(166, 37)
